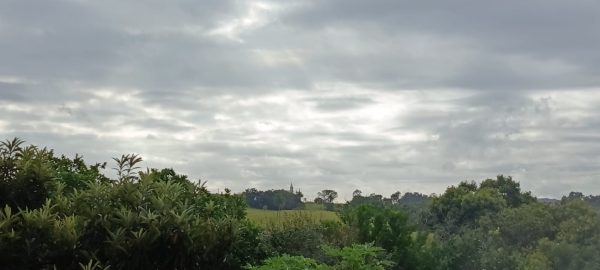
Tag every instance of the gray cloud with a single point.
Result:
(346, 94)
(341, 103)
(506, 45)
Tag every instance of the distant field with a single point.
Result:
(270, 217)
(313, 206)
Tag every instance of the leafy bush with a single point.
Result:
(25, 175)
(356, 257)
(71, 217)
(297, 235)
(389, 228)
(290, 263)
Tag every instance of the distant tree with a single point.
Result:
(414, 199)
(327, 195)
(395, 197)
(356, 193)
(509, 189)
(376, 197)
(273, 199)
(526, 225)
(463, 205)
(372, 199)
(592, 200)
(574, 196)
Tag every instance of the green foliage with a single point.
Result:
(389, 229)
(25, 175)
(327, 195)
(528, 236)
(486, 226)
(249, 247)
(273, 199)
(509, 189)
(536, 261)
(413, 199)
(127, 166)
(524, 226)
(385, 227)
(355, 257)
(338, 234)
(358, 257)
(93, 265)
(412, 203)
(463, 205)
(63, 214)
(74, 174)
(576, 241)
(594, 201)
(290, 263)
(373, 199)
(297, 235)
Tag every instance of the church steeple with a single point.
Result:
(291, 188)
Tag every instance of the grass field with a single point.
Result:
(266, 218)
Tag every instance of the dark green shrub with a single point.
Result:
(355, 257)
(297, 235)
(25, 175)
(72, 217)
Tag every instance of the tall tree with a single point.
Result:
(328, 195)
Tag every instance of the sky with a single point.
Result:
(380, 96)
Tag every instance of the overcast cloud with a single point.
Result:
(342, 94)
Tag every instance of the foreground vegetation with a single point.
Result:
(61, 213)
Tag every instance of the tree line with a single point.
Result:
(273, 199)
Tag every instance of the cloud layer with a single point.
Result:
(380, 96)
